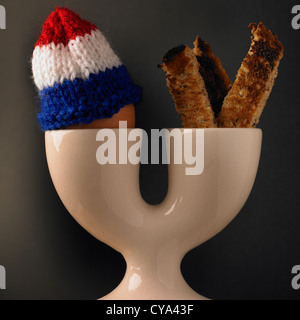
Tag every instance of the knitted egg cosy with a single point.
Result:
(78, 75)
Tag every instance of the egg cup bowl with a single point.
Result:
(106, 201)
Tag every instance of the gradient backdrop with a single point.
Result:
(47, 255)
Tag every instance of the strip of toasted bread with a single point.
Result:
(187, 88)
(217, 81)
(248, 96)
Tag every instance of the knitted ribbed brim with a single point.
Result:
(79, 77)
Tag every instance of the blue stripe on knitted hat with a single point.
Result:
(83, 101)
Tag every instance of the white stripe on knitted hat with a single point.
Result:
(81, 57)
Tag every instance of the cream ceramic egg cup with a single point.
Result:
(106, 201)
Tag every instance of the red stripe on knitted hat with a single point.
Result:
(62, 26)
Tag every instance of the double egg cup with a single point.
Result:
(106, 201)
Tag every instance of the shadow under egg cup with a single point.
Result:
(106, 201)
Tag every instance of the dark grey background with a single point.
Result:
(47, 255)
